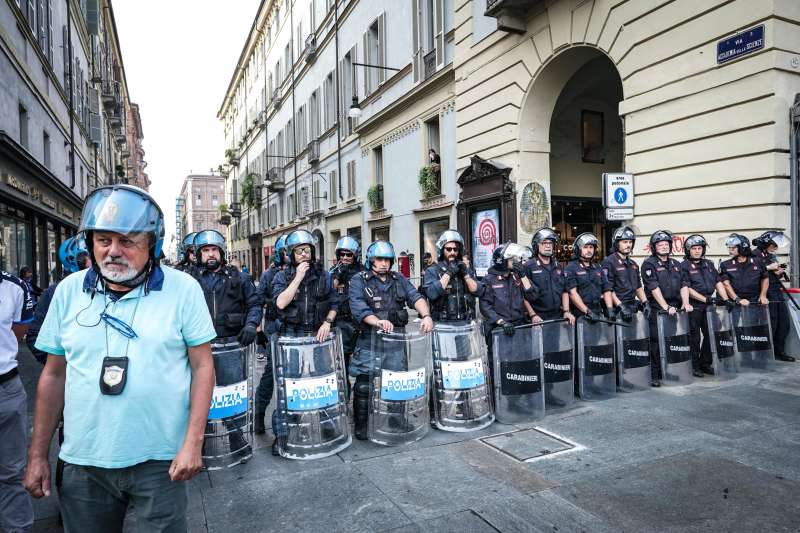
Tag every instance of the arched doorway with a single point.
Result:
(570, 133)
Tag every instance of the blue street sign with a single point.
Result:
(740, 44)
(620, 195)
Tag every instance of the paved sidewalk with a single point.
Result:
(712, 456)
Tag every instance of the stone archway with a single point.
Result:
(579, 79)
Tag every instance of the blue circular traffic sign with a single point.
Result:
(620, 195)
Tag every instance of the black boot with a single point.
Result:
(361, 406)
(786, 358)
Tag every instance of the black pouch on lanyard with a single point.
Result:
(113, 375)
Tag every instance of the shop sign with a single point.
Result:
(740, 44)
(15, 183)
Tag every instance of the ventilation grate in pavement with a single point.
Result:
(528, 444)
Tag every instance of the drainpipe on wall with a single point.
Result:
(794, 223)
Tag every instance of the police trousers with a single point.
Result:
(779, 320)
(701, 349)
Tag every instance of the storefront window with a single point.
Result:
(15, 241)
(41, 253)
(52, 253)
(429, 231)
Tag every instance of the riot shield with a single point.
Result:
(753, 337)
(596, 379)
(462, 394)
(310, 418)
(720, 338)
(558, 349)
(229, 431)
(633, 354)
(518, 375)
(400, 373)
(675, 348)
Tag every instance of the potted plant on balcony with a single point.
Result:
(231, 156)
(224, 215)
(375, 197)
(428, 182)
(250, 191)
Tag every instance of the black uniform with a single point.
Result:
(548, 281)
(308, 309)
(667, 276)
(266, 383)
(623, 275)
(590, 281)
(347, 325)
(778, 314)
(502, 297)
(703, 277)
(745, 276)
(453, 303)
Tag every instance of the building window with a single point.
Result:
(301, 127)
(427, 37)
(434, 159)
(287, 59)
(380, 234)
(313, 116)
(46, 149)
(429, 231)
(377, 157)
(351, 179)
(315, 195)
(374, 54)
(214, 200)
(592, 137)
(198, 201)
(330, 102)
(23, 126)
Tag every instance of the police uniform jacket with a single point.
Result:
(775, 290)
(503, 297)
(590, 281)
(231, 298)
(548, 280)
(312, 301)
(745, 277)
(265, 291)
(451, 303)
(623, 275)
(702, 277)
(344, 274)
(665, 275)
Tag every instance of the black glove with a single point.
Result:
(508, 328)
(710, 300)
(341, 274)
(624, 313)
(518, 268)
(641, 306)
(452, 269)
(247, 335)
(730, 304)
(462, 268)
(612, 313)
(647, 311)
(591, 316)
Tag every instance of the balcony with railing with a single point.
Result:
(512, 14)
(429, 61)
(311, 48)
(276, 181)
(313, 151)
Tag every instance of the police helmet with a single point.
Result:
(624, 233)
(661, 235)
(450, 235)
(694, 240)
(778, 238)
(740, 242)
(349, 244)
(541, 235)
(297, 238)
(187, 245)
(123, 209)
(278, 251)
(582, 240)
(380, 250)
(70, 252)
(509, 250)
(209, 237)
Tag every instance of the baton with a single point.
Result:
(550, 321)
(612, 322)
(791, 298)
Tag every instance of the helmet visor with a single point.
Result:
(516, 252)
(781, 240)
(121, 210)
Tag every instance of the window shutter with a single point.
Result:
(50, 44)
(366, 70)
(439, 35)
(415, 39)
(382, 47)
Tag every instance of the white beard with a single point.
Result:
(116, 276)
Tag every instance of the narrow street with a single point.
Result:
(712, 456)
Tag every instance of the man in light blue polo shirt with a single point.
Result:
(130, 362)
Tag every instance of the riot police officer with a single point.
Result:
(768, 244)
(450, 284)
(547, 277)
(585, 280)
(703, 281)
(623, 274)
(348, 264)
(235, 309)
(303, 292)
(188, 259)
(666, 288)
(378, 299)
(266, 383)
(744, 275)
(506, 288)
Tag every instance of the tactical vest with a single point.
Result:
(342, 290)
(270, 311)
(387, 303)
(456, 303)
(227, 306)
(310, 304)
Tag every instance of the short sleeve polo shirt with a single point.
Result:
(16, 307)
(149, 419)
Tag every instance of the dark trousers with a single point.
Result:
(779, 320)
(266, 384)
(655, 350)
(96, 499)
(701, 351)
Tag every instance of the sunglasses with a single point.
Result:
(451, 248)
(302, 251)
(346, 254)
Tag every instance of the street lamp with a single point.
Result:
(355, 109)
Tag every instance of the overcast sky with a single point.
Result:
(179, 56)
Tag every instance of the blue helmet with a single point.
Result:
(123, 209)
(209, 237)
(278, 254)
(299, 237)
(379, 249)
(350, 244)
(70, 251)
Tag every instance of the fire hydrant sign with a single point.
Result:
(618, 195)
